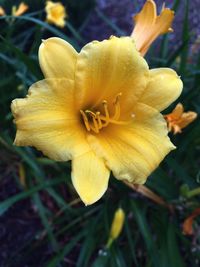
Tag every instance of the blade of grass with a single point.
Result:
(145, 231)
(175, 258)
(89, 242)
(29, 62)
(45, 26)
(132, 243)
(6, 204)
(45, 221)
(185, 38)
(63, 253)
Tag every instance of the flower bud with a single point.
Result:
(117, 224)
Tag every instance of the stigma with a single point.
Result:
(95, 121)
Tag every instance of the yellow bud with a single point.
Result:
(117, 224)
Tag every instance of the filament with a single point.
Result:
(95, 121)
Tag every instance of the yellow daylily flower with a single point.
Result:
(148, 26)
(99, 108)
(178, 119)
(16, 11)
(56, 13)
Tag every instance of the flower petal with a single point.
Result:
(164, 87)
(148, 26)
(90, 177)
(46, 120)
(133, 151)
(21, 9)
(177, 112)
(187, 118)
(104, 69)
(57, 58)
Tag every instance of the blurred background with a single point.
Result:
(43, 223)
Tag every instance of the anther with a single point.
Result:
(95, 127)
(117, 98)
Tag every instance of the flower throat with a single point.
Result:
(95, 121)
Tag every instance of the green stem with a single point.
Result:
(193, 192)
(109, 243)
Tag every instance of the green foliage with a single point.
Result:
(152, 235)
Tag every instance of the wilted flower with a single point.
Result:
(16, 11)
(99, 108)
(148, 25)
(56, 13)
(178, 119)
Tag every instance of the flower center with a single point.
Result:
(56, 12)
(95, 121)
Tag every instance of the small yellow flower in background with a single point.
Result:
(148, 26)
(117, 225)
(178, 119)
(16, 11)
(99, 108)
(56, 13)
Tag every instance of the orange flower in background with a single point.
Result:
(2, 11)
(20, 10)
(56, 13)
(187, 225)
(148, 25)
(16, 11)
(178, 119)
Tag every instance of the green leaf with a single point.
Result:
(145, 231)
(6, 204)
(29, 62)
(46, 26)
(63, 253)
(175, 258)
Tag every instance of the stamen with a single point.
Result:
(115, 122)
(85, 119)
(95, 127)
(95, 121)
(107, 117)
(99, 119)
